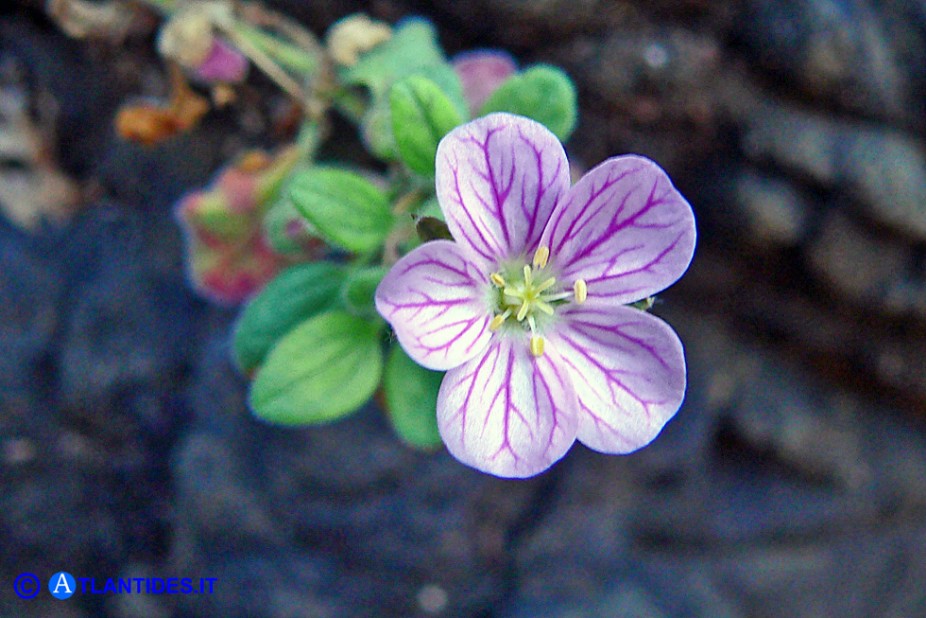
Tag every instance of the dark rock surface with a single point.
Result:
(391, 522)
(792, 482)
(766, 490)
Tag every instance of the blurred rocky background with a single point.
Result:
(792, 482)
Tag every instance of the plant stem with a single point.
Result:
(265, 63)
(165, 7)
(288, 55)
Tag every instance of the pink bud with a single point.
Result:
(482, 72)
(238, 187)
(223, 63)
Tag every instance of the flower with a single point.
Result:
(190, 38)
(222, 63)
(229, 258)
(481, 72)
(355, 35)
(526, 310)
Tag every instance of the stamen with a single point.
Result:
(581, 290)
(546, 285)
(537, 345)
(541, 256)
(544, 306)
(498, 320)
(528, 297)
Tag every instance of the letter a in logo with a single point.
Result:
(62, 585)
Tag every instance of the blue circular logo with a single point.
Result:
(27, 585)
(62, 585)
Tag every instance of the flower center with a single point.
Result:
(530, 293)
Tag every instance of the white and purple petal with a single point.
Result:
(628, 370)
(624, 229)
(498, 180)
(506, 412)
(434, 298)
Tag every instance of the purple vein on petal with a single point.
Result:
(507, 413)
(624, 229)
(616, 226)
(610, 375)
(534, 214)
(606, 274)
(487, 248)
(468, 271)
(580, 219)
(460, 412)
(507, 408)
(506, 174)
(540, 379)
(586, 328)
(433, 298)
(629, 371)
(499, 194)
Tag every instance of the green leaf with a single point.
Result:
(322, 370)
(359, 290)
(446, 78)
(430, 208)
(421, 115)
(296, 294)
(287, 230)
(376, 130)
(346, 209)
(411, 399)
(544, 93)
(412, 47)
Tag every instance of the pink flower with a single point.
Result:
(222, 63)
(527, 309)
(481, 72)
(229, 258)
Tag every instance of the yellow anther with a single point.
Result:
(537, 345)
(581, 290)
(541, 257)
(533, 295)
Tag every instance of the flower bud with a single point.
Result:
(190, 39)
(354, 35)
